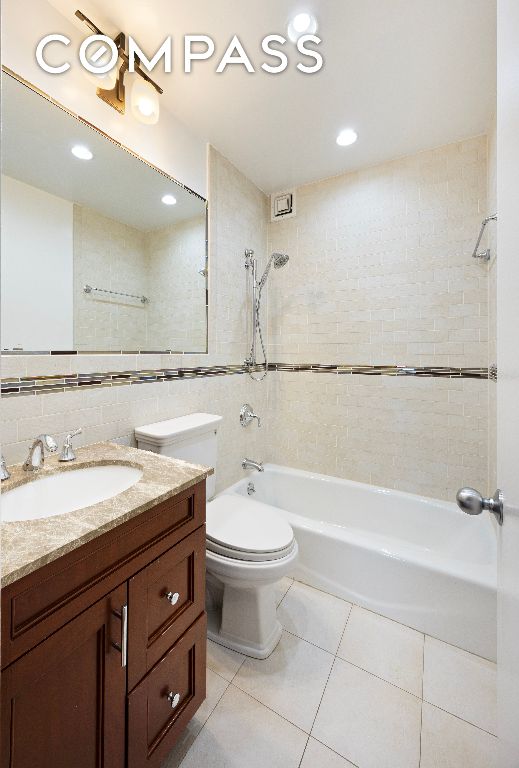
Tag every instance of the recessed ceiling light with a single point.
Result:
(83, 153)
(302, 24)
(346, 137)
(169, 200)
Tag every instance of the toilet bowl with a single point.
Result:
(249, 545)
(249, 548)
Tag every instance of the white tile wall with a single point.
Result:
(380, 273)
(110, 255)
(380, 269)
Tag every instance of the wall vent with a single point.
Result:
(283, 205)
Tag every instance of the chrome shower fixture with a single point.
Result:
(278, 260)
(483, 255)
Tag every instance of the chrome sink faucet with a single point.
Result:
(36, 458)
(67, 452)
(251, 464)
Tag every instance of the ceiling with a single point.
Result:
(407, 75)
(36, 142)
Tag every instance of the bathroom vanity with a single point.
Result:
(103, 620)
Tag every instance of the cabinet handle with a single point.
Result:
(173, 699)
(172, 597)
(123, 647)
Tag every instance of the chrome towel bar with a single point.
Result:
(91, 289)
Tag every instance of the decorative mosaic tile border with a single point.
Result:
(386, 370)
(36, 385)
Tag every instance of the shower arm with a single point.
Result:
(485, 255)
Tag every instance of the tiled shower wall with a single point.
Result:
(162, 264)
(380, 272)
(108, 254)
(237, 220)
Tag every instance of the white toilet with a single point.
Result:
(250, 546)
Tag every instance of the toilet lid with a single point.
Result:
(235, 523)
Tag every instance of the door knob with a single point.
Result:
(473, 503)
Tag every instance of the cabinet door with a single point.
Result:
(63, 703)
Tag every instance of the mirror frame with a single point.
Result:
(91, 126)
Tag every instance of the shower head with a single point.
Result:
(279, 260)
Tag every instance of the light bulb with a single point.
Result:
(144, 102)
(169, 200)
(81, 152)
(347, 137)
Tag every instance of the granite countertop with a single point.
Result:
(29, 544)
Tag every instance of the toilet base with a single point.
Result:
(247, 648)
(245, 620)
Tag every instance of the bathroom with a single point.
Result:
(312, 306)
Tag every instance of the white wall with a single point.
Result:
(37, 268)
(508, 381)
(170, 144)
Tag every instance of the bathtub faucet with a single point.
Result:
(251, 464)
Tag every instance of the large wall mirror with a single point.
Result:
(101, 252)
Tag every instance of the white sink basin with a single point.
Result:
(66, 491)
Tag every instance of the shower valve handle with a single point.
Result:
(247, 415)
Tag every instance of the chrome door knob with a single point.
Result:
(172, 597)
(173, 699)
(473, 503)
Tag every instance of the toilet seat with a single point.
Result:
(241, 529)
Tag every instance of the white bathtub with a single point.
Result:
(419, 561)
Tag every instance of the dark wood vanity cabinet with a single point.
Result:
(103, 650)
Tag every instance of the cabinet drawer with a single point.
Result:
(163, 703)
(165, 598)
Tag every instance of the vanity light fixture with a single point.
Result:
(302, 24)
(347, 137)
(169, 200)
(111, 89)
(81, 152)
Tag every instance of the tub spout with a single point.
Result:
(251, 464)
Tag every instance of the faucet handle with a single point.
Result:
(67, 452)
(247, 415)
(4, 472)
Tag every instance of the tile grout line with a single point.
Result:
(334, 752)
(304, 751)
(209, 717)
(461, 719)
(331, 670)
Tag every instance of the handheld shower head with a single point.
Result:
(279, 260)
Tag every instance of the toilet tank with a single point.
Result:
(190, 438)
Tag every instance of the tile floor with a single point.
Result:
(345, 688)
